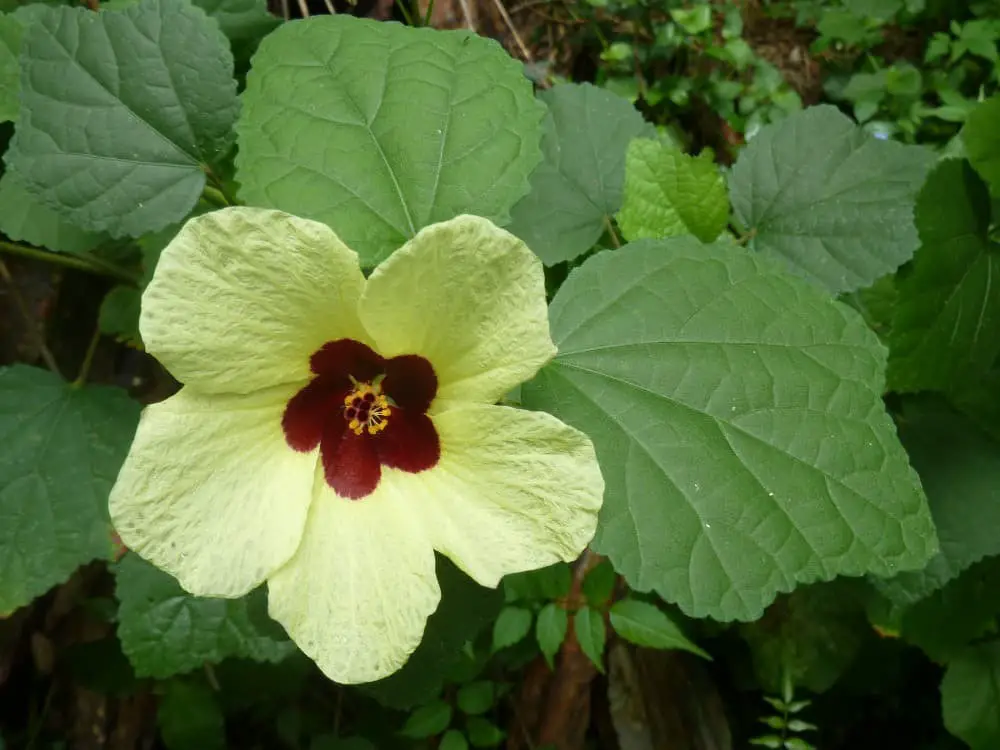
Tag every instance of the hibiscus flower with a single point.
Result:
(334, 431)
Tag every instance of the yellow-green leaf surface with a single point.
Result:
(577, 188)
(121, 112)
(10, 71)
(62, 448)
(948, 303)
(166, 631)
(833, 202)
(738, 418)
(668, 193)
(379, 129)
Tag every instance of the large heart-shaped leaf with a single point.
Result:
(379, 129)
(24, 218)
(122, 112)
(738, 418)
(833, 202)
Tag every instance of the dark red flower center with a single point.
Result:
(364, 412)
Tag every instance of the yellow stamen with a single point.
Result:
(367, 408)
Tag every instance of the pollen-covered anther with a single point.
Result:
(366, 408)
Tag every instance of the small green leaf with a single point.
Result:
(427, 721)
(240, 20)
(129, 73)
(770, 740)
(10, 71)
(119, 316)
(645, 624)
(982, 140)
(190, 717)
(703, 373)
(24, 218)
(830, 200)
(550, 630)
(578, 186)
(694, 20)
(62, 449)
(970, 697)
(453, 740)
(483, 733)
(441, 123)
(588, 624)
(476, 697)
(511, 626)
(165, 631)
(797, 743)
(544, 584)
(669, 193)
(599, 583)
(947, 307)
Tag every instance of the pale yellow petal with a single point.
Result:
(357, 594)
(468, 296)
(243, 296)
(211, 493)
(514, 491)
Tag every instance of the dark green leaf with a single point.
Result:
(10, 71)
(483, 733)
(550, 630)
(544, 584)
(476, 697)
(510, 627)
(62, 449)
(453, 740)
(190, 718)
(427, 721)
(24, 218)
(982, 140)
(645, 624)
(599, 583)
(970, 697)
(588, 624)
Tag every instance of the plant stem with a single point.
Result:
(427, 15)
(611, 231)
(218, 190)
(215, 196)
(88, 359)
(78, 262)
(401, 4)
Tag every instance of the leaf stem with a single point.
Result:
(401, 4)
(43, 350)
(78, 262)
(615, 240)
(215, 197)
(88, 359)
(219, 195)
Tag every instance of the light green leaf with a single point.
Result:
(62, 449)
(24, 218)
(550, 630)
(476, 697)
(511, 626)
(122, 112)
(704, 373)
(440, 123)
(970, 697)
(166, 631)
(669, 193)
(427, 721)
(959, 468)
(190, 717)
(483, 733)
(981, 135)
(10, 71)
(948, 307)
(578, 186)
(645, 624)
(453, 740)
(835, 203)
(588, 624)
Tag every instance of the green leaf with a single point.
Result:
(588, 624)
(476, 697)
(240, 20)
(465, 610)
(427, 721)
(577, 188)
(959, 468)
(483, 733)
(835, 203)
(645, 624)
(947, 309)
(981, 135)
(550, 630)
(24, 218)
(166, 631)
(510, 627)
(704, 373)
(159, 77)
(669, 193)
(10, 71)
(119, 316)
(599, 583)
(970, 697)
(551, 582)
(453, 740)
(62, 449)
(440, 123)
(810, 636)
(190, 718)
